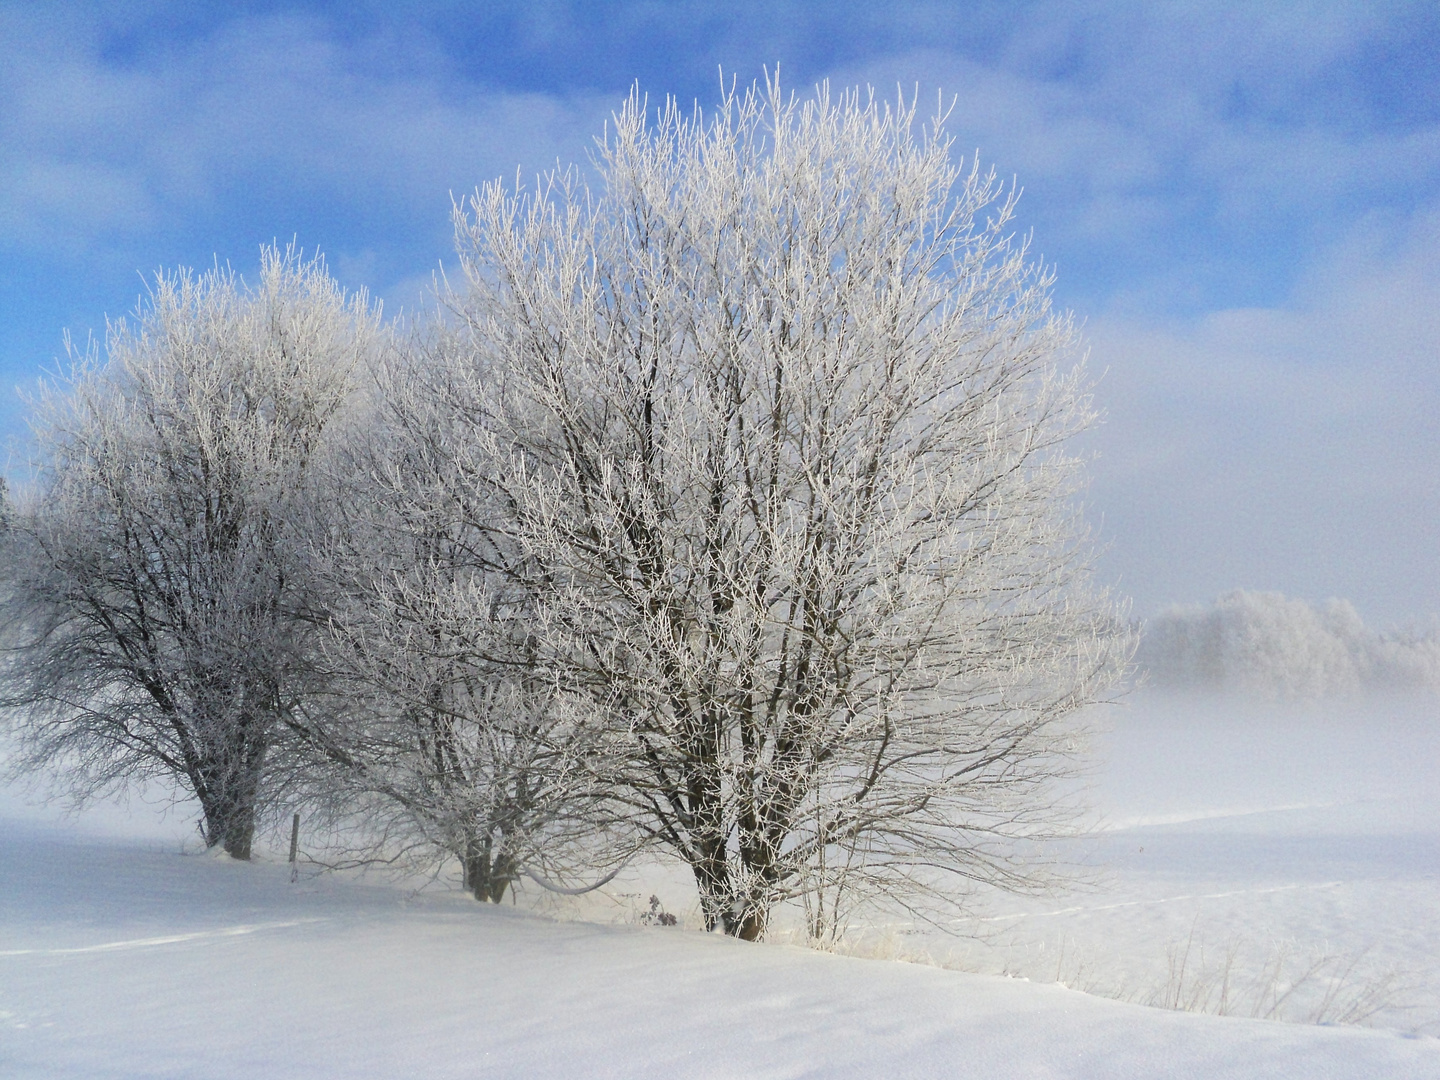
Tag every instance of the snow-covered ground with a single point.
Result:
(1268, 837)
(1240, 848)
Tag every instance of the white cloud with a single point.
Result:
(1180, 138)
(95, 149)
(1292, 448)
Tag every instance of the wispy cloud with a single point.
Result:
(268, 113)
(1175, 158)
(1290, 447)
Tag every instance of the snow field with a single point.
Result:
(1238, 847)
(1232, 849)
(218, 970)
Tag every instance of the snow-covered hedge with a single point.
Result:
(1264, 644)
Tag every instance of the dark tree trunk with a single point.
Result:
(239, 835)
(229, 792)
(230, 822)
(739, 913)
(710, 880)
(486, 878)
(751, 927)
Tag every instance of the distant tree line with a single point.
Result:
(723, 510)
(1269, 646)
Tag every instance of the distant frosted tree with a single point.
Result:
(778, 420)
(1267, 645)
(157, 612)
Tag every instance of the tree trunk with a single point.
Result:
(709, 872)
(229, 792)
(751, 927)
(239, 834)
(230, 821)
(734, 912)
(502, 875)
(486, 878)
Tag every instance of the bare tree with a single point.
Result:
(158, 612)
(778, 421)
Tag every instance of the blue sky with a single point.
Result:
(1242, 203)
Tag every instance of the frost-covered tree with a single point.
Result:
(777, 418)
(158, 612)
(447, 734)
(1266, 645)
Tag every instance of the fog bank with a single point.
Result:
(1267, 646)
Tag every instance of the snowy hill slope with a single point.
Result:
(122, 960)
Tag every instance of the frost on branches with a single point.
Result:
(777, 418)
(729, 515)
(447, 733)
(158, 589)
